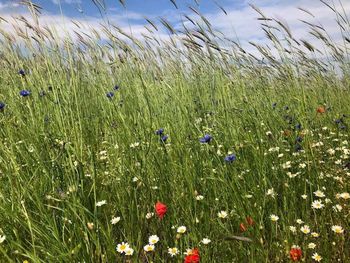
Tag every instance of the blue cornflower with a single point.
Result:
(206, 139)
(160, 131)
(299, 139)
(116, 87)
(274, 105)
(164, 138)
(230, 158)
(22, 72)
(298, 147)
(110, 95)
(338, 121)
(24, 93)
(342, 127)
(298, 126)
(2, 105)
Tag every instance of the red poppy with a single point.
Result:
(192, 257)
(295, 253)
(242, 227)
(250, 221)
(160, 209)
(321, 109)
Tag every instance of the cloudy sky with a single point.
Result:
(240, 22)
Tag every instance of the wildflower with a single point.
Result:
(344, 196)
(121, 248)
(192, 256)
(159, 131)
(337, 229)
(293, 229)
(206, 139)
(314, 234)
(2, 238)
(311, 245)
(321, 109)
(181, 229)
(274, 218)
(271, 192)
(110, 94)
(304, 196)
(101, 203)
(149, 215)
(250, 221)
(316, 257)
(164, 138)
(317, 204)
(199, 197)
(222, 214)
(153, 239)
(319, 193)
(161, 209)
(206, 241)
(129, 251)
(242, 227)
(22, 72)
(274, 105)
(305, 229)
(2, 106)
(230, 158)
(299, 221)
(295, 253)
(173, 251)
(149, 248)
(116, 87)
(24, 93)
(115, 220)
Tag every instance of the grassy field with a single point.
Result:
(252, 159)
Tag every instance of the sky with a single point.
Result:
(240, 22)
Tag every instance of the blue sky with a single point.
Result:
(239, 23)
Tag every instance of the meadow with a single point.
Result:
(189, 149)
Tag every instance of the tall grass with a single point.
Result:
(67, 146)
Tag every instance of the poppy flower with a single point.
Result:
(250, 221)
(230, 158)
(24, 93)
(242, 227)
(206, 139)
(161, 209)
(110, 95)
(321, 109)
(2, 106)
(192, 257)
(295, 253)
(160, 131)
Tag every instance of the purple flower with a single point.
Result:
(24, 93)
(206, 139)
(160, 131)
(164, 138)
(22, 72)
(230, 158)
(110, 95)
(2, 106)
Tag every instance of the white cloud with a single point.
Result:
(69, 2)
